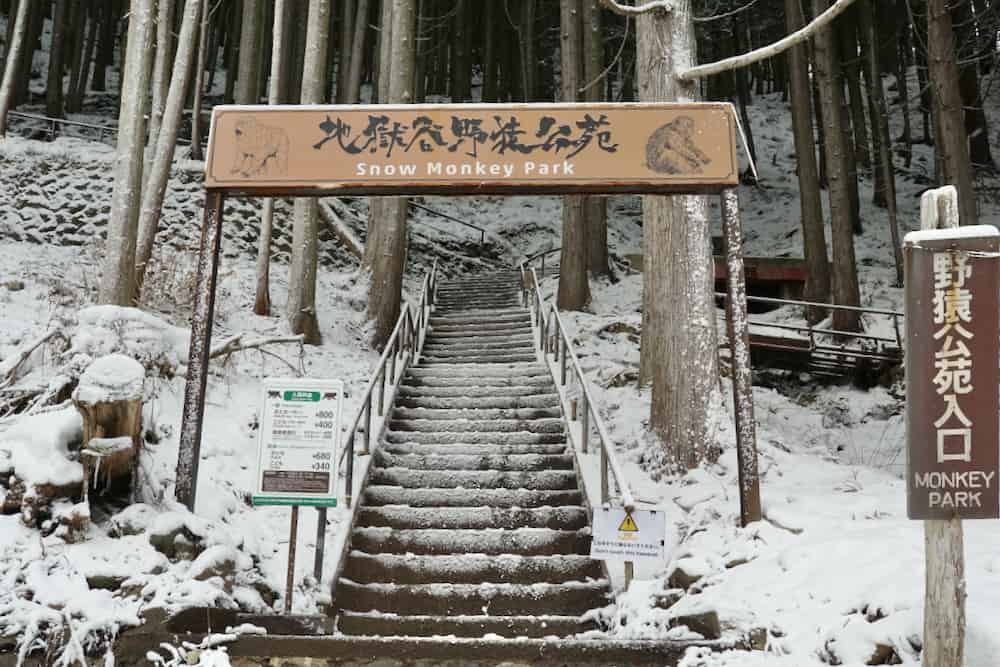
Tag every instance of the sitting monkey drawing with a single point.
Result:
(671, 149)
(260, 150)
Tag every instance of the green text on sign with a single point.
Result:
(306, 396)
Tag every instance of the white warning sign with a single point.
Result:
(631, 536)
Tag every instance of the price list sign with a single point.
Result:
(297, 449)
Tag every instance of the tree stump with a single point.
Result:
(109, 398)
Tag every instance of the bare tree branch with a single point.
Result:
(627, 10)
(817, 24)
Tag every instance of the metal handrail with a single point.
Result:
(111, 130)
(404, 345)
(559, 345)
(427, 209)
(543, 254)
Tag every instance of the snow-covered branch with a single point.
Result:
(817, 24)
(237, 344)
(628, 10)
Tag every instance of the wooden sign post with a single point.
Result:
(952, 403)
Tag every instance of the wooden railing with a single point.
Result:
(554, 340)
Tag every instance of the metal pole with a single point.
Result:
(585, 423)
(290, 579)
(562, 362)
(381, 392)
(605, 496)
(368, 425)
(320, 544)
(629, 573)
(738, 328)
(189, 450)
(349, 472)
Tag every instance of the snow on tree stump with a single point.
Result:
(109, 398)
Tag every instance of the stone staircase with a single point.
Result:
(472, 522)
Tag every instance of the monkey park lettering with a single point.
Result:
(471, 169)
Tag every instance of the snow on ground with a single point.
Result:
(834, 569)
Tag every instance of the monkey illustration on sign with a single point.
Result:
(260, 149)
(671, 149)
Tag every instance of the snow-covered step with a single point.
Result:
(491, 371)
(554, 425)
(482, 401)
(518, 316)
(556, 518)
(516, 391)
(473, 345)
(449, 306)
(462, 334)
(572, 598)
(548, 480)
(483, 358)
(470, 462)
(429, 541)
(470, 449)
(476, 413)
(375, 623)
(475, 437)
(376, 495)
(365, 568)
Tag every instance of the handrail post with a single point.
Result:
(368, 425)
(349, 472)
(392, 359)
(381, 392)
(604, 470)
(584, 421)
(562, 361)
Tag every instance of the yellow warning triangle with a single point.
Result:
(628, 525)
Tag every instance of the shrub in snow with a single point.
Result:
(154, 343)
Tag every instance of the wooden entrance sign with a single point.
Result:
(472, 149)
(556, 149)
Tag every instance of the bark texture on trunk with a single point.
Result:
(15, 49)
(199, 83)
(951, 143)
(596, 210)
(357, 57)
(385, 247)
(574, 288)
(817, 287)
(54, 87)
(845, 275)
(248, 72)
(301, 307)
(679, 337)
(161, 65)
(166, 143)
(118, 269)
(262, 299)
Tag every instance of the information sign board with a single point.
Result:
(629, 536)
(473, 148)
(298, 442)
(952, 378)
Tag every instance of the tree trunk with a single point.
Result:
(385, 51)
(461, 73)
(817, 287)
(302, 317)
(490, 61)
(118, 269)
(385, 248)
(249, 67)
(845, 274)
(902, 80)
(198, 86)
(975, 117)
(77, 19)
(161, 66)
(357, 58)
(36, 20)
(15, 51)
(166, 142)
(262, 300)
(347, 10)
(232, 32)
(851, 61)
(54, 87)
(574, 289)
(952, 145)
(679, 338)
(743, 95)
(110, 12)
(595, 208)
(529, 59)
(79, 91)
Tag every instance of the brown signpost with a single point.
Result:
(952, 374)
(952, 404)
(473, 149)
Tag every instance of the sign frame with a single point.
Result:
(253, 148)
(330, 449)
